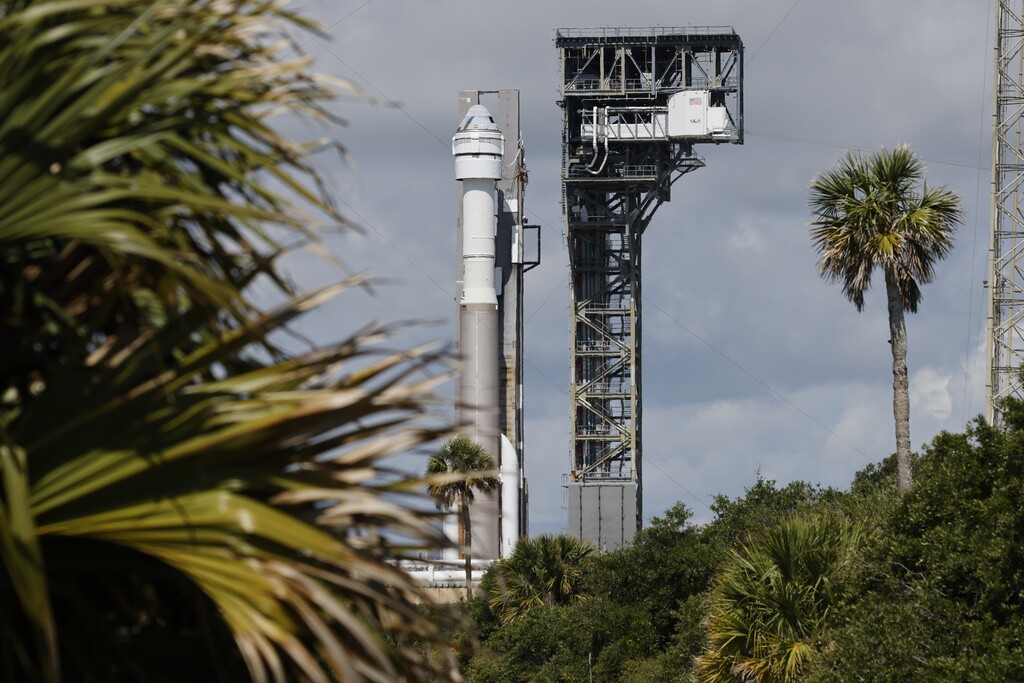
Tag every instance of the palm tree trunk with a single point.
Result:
(467, 550)
(900, 381)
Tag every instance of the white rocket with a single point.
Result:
(478, 147)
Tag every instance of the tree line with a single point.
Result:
(787, 583)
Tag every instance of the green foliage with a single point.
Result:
(458, 469)
(769, 606)
(675, 662)
(870, 212)
(564, 643)
(809, 584)
(938, 592)
(761, 506)
(659, 586)
(545, 570)
(917, 635)
(669, 561)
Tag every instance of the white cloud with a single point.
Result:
(747, 237)
(929, 393)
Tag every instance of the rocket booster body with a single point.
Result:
(478, 147)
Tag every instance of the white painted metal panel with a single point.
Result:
(688, 114)
(718, 120)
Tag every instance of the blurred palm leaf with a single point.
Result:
(265, 489)
(172, 480)
(139, 175)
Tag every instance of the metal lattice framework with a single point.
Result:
(1006, 265)
(619, 163)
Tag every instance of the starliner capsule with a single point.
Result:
(478, 147)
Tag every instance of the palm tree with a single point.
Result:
(546, 570)
(878, 211)
(454, 473)
(770, 604)
(180, 497)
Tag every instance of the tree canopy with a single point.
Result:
(800, 583)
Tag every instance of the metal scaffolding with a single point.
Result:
(1005, 351)
(635, 103)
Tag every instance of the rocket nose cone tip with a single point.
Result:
(478, 118)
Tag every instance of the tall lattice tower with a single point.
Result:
(1006, 256)
(635, 103)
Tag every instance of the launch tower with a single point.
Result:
(1005, 352)
(635, 103)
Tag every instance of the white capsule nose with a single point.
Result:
(478, 118)
(478, 146)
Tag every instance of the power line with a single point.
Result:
(347, 16)
(394, 246)
(550, 294)
(316, 33)
(450, 295)
(704, 500)
(970, 367)
(781, 22)
(754, 377)
(387, 100)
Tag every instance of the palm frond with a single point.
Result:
(546, 569)
(219, 480)
(767, 605)
(869, 213)
(460, 468)
(170, 474)
(136, 137)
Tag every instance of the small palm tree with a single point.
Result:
(545, 570)
(770, 604)
(454, 473)
(870, 212)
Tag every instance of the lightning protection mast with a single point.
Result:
(1005, 337)
(635, 103)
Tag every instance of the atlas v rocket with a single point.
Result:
(490, 268)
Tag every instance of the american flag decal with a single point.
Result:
(695, 100)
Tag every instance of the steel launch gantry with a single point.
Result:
(1005, 338)
(635, 103)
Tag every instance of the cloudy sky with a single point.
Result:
(751, 362)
